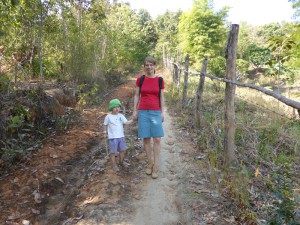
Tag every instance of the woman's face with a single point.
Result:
(149, 68)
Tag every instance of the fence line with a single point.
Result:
(292, 103)
(231, 83)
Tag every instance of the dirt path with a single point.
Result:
(70, 180)
(159, 204)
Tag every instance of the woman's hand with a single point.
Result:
(134, 115)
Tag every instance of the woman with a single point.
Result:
(148, 109)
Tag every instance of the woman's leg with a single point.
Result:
(147, 147)
(156, 151)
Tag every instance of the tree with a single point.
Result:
(258, 56)
(131, 36)
(167, 30)
(296, 6)
(281, 52)
(202, 31)
(247, 37)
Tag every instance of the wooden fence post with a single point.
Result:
(229, 136)
(185, 84)
(200, 89)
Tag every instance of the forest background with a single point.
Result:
(86, 48)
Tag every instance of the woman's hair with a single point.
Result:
(150, 60)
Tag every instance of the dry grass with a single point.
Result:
(267, 143)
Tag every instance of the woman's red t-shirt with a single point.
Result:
(149, 99)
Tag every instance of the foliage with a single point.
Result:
(271, 46)
(242, 66)
(284, 205)
(258, 56)
(267, 140)
(295, 51)
(247, 37)
(136, 39)
(87, 95)
(17, 118)
(296, 6)
(74, 40)
(167, 31)
(202, 31)
(273, 30)
(217, 66)
(281, 50)
(4, 83)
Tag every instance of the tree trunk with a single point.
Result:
(64, 33)
(229, 137)
(40, 42)
(176, 76)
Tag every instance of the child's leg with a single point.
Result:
(113, 158)
(113, 152)
(122, 155)
(122, 148)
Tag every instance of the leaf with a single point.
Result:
(59, 179)
(54, 156)
(14, 217)
(26, 222)
(231, 219)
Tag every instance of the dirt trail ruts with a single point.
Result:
(77, 185)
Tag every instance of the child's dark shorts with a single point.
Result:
(116, 144)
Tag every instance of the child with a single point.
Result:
(113, 127)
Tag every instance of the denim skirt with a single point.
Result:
(150, 124)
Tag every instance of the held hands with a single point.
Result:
(129, 121)
(134, 115)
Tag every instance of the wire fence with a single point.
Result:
(289, 111)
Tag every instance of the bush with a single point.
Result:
(242, 66)
(4, 83)
(217, 66)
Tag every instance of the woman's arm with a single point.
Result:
(162, 104)
(136, 101)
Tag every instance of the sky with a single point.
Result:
(254, 12)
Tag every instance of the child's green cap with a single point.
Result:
(114, 103)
